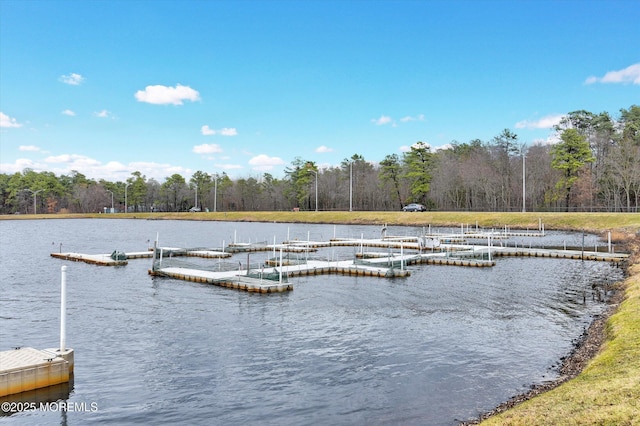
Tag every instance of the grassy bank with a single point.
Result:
(566, 221)
(607, 392)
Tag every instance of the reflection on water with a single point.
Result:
(444, 344)
(59, 392)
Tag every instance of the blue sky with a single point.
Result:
(244, 87)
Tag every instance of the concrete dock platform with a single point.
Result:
(94, 259)
(229, 279)
(26, 369)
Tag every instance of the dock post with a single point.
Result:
(489, 247)
(609, 242)
(281, 265)
(63, 310)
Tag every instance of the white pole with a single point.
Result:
(280, 265)
(489, 247)
(524, 191)
(401, 257)
(609, 242)
(351, 186)
(215, 194)
(63, 310)
(274, 246)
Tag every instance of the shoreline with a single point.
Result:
(584, 350)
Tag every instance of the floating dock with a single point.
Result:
(229, 279)
(94, 259)
(108, 260)
(560, 254)
(25, 369)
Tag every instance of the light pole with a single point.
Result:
(351, 185)
(111, 200)
(524, 188)
(215, 192)
(316, 173)
(126, 209)
(34, 199)
(196, 185)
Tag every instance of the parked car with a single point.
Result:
(414, 207)
(194, 209)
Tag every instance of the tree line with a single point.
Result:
(594, 166)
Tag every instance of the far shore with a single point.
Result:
(601, 380)
(592, 222)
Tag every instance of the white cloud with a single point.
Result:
(546, 122)
(384, 119)
(443, 147)
(6, 121)
(323, 149)
(552, 139)
(164, 95)
(631, 74)
(31, 148)
(73, 79)
(227, 166)
(226, 131)
(205, 148)
(263, 162)
(102, 114)
(18, 166)
(419, 117)
(69, 113)
(80, 160)
(207, 131)
(405, 148)
(421, 145)
(63, 164)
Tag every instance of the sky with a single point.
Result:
(108, 88)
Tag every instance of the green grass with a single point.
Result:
(594, 222)
(607, 392)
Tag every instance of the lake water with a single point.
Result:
(438, 347)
